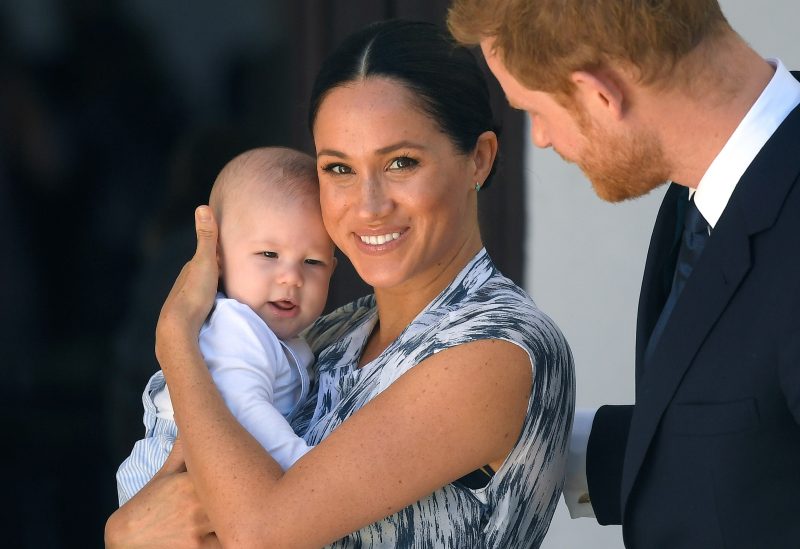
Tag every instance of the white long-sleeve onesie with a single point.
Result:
(263, 380)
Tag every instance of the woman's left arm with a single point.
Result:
(452, 413)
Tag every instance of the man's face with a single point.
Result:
(621, 162)
(552, 124)
(622, 166)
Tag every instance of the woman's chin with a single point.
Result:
(380, 278)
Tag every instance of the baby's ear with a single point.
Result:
(334, 262)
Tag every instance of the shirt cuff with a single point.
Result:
(576, 483)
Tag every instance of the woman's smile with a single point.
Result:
(380, 242)
(404, 174)
(380, 239)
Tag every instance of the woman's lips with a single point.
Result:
(379, 243)
(379, 239)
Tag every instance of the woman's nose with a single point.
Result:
(374, 201)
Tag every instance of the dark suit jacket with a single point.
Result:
(709, 456)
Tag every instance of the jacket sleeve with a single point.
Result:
(789, 372)
(604, 461)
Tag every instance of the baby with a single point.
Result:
(276, 261)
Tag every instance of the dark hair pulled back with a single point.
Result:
(444, 77)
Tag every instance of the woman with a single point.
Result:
(444, 400)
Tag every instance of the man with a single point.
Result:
(636, 94)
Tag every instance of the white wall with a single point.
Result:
(585, 259)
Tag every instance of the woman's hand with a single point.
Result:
(164, 514)
(192, 296)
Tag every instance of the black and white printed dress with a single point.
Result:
(514, 509)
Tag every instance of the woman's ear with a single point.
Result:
(483, 156)
(600, 94)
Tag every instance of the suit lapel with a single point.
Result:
(659, 267)
(754, 206)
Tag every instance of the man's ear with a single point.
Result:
(600, 94)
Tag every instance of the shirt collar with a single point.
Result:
(778, 99)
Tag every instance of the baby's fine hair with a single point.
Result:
(278, 174)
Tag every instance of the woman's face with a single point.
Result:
(397, 197)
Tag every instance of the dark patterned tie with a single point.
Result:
(695, 233)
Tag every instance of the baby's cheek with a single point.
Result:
(320, 293)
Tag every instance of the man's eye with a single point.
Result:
(402, 162)
(314, 262)
(338, 169)
(271, 255)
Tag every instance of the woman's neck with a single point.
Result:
(400, 305)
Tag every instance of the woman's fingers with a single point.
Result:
(164, 514)
(203, 268)
(192, 295)
(206, 229)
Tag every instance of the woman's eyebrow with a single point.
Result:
(401, 145)
(405, 144)
(331, 152)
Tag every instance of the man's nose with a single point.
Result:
(539, 136)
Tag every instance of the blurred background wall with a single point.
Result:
(116, 115)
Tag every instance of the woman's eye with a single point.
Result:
(271, 255)
(338, 169)
(402, 162)
(314, 262)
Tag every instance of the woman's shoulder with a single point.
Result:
(493, 308)
(499, 306)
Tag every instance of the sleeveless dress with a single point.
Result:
(515, 508)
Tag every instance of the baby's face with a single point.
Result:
(278, 260)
